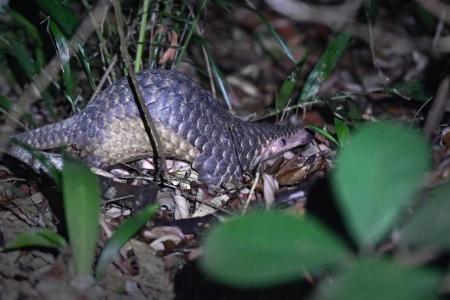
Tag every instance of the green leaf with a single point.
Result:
(63, 50)
(342, 130)
(53, 172)
(5, 103)
(374, 279)
(216, 72)
(81, 192)
(371, 9)
(377, 173)
(426, 18)
(325, 133)
(124, 233)
(81, 54)
(24, 58)
(410, 90)
(61, 14)
(190, 31)
(430, 224)
(287, 88)
(274, 33)
(324, 67)
(42, 238)
(31, 30)
(268, 248)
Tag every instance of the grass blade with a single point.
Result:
(324, 67)
(81, 192)
(43, 238)
(287, 88)
(124, 233)
(61, 14)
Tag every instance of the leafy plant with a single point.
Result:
(81, 194)
(377, 174)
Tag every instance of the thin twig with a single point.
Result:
(103, 79)
(150, 129)
(252, 191)
(437, 110)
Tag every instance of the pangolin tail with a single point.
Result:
(49, 136)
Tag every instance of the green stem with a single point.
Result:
(140, 47)
(190, 32)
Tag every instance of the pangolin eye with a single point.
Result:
(283, 142)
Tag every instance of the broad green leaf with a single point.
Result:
(375, 279)
(42, 238)
(288, 86)
(342, 130)
(268, 248)
(61, 14)
(124, 233)
(430, 224)
(81, 192)
(324, 67)
(377, 173)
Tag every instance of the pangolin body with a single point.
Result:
(193, 126)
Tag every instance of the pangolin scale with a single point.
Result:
(193, 126)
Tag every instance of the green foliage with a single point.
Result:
(410, 90)
(62, 48)
(268, 248)
(324, 67)
(43, 238)
(430, 225)
(342, 130)
(81, 193)
(374, 279)
(53, 172)
(325, 133)
(371, 9)
(124, 233)
(24, 58)
(192, 28)
(60, 14)
(377, 173)
(5, 103)
(288, 86)
(274, 33)
(379, 168)
(215, 70)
